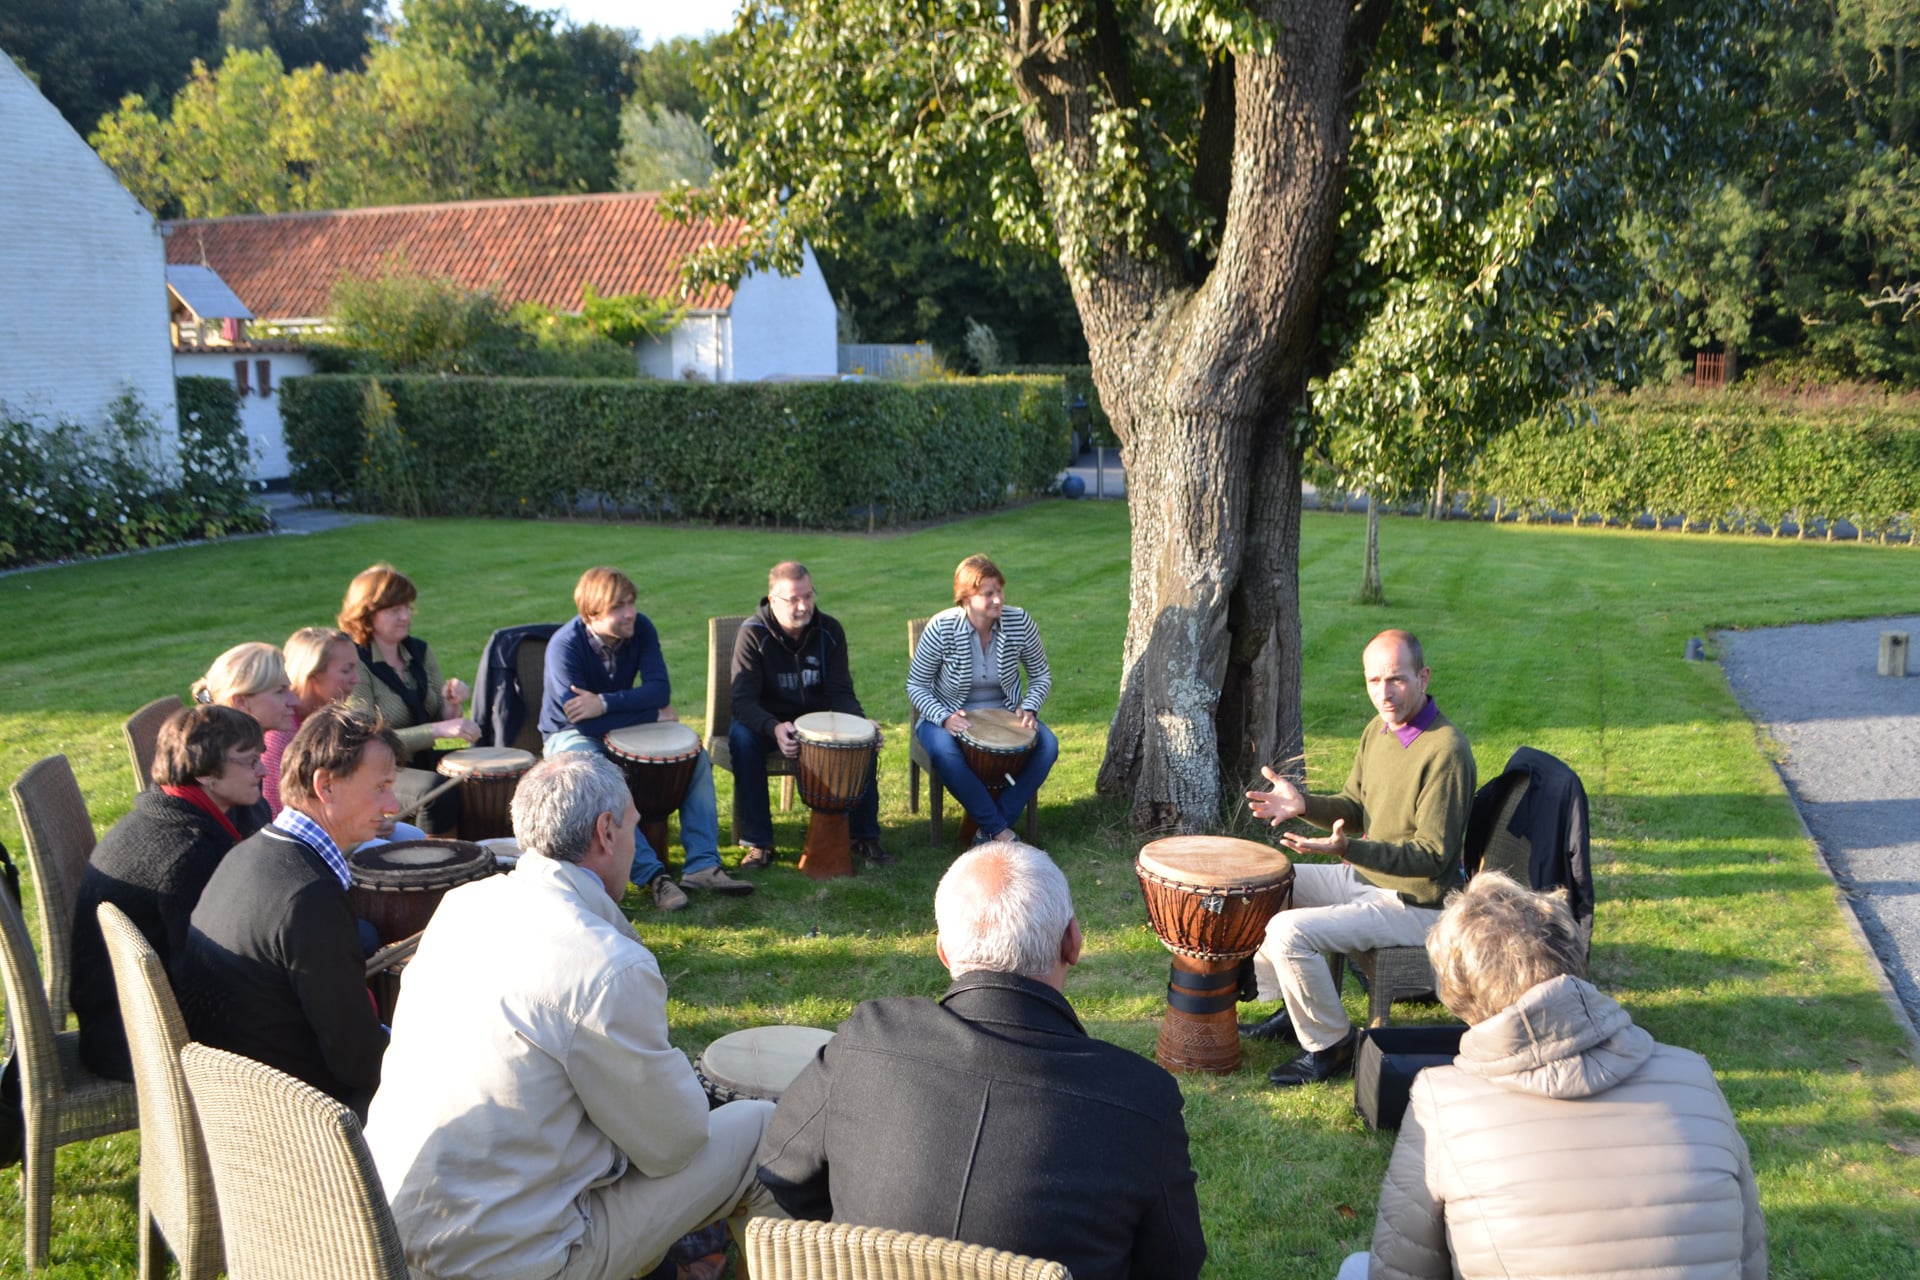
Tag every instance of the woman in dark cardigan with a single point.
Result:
(156, 860)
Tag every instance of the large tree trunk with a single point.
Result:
(1201, 374)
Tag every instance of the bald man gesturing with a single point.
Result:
(1397, 828)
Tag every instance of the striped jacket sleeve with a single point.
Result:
(1020, 646)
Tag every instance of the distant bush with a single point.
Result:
(73, 490)
(1739, 460)
(820, 454)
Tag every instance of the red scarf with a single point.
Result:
(196, 795)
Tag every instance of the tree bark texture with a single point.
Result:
(1200, 370)
(1371, 591)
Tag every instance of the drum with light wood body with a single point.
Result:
(488, 778)
(1209, 898)
(836, 754)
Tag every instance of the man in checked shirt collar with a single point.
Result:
(274, 967)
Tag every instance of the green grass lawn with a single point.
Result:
(1714, 925)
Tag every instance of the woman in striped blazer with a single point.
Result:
(969, 657)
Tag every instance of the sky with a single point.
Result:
(654, 19)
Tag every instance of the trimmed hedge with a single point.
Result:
(1715, 460)
(821, 454)
(71, 489)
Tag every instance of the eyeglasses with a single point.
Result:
(801, 599)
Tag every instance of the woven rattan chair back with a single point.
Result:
(177, 1208)
(143, 737)
(721, 633)
(60, 839)
(299, 1196)
(785, 1249)
(61, 1100)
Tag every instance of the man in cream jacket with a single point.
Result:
(533, 1122)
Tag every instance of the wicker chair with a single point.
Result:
(1404, 973)
(720, 637)
(60, 839)
(176, 1188)
(785, 1249)
(919, 762)
(62, 1101)
(143, 735)
(299, 1196)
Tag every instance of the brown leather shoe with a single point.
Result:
(873, 853)
(755, 858)
(715, 880)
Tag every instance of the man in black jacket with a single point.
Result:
(790, 660)
(990, 1116)
(273, 966)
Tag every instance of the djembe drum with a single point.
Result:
(1209, 898)
(658, 760)
(996, 746)
(396, 888)
(836, 753)
(759, 1062)
(488, 777)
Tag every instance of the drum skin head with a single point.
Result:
(485, 760)
(1214, 861)
(834, 728)
(997, 729)
(416, 855)
(662, 740)
(760, 1062)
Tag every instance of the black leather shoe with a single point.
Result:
(1277, 1027)
(1315, 1065)
(873, 853)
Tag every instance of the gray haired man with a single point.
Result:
(533, 1119)
(990, 1115)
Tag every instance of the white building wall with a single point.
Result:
(82, 273)
(783, 325)
(259, 414)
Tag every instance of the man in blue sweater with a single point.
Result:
(590, 691)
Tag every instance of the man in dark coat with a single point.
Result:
(989, 1115)
(790, 660)
(273, 966)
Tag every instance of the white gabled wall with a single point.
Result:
(83, 275)
(783, 325)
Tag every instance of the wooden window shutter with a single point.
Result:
(240, 376)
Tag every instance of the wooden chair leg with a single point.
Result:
(786, 793)
(1033, 820)
(936, 802)
(913, 786)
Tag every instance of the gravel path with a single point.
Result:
(1849, 741)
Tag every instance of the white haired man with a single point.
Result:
(533, 1119)
(990, 1115)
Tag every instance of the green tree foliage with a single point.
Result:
(659, 147)
(469, 98)
(86, 55)
(1405, 216)
(400, 321)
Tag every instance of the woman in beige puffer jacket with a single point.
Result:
(1564, 1141)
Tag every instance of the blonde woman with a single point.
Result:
(251, 678)
(322, 667)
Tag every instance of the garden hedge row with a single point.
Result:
(821, 454)
(1743, 461)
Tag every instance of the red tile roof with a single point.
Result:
(539, 249)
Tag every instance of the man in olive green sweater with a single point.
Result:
(1406, 800)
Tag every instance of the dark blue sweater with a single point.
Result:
(572, 663)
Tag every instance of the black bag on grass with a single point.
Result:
(13, 1120)
(1386, 1062)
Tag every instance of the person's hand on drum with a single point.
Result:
(1278, 805)
(784, 738)
(668, 715)
(1027, 719)
(1334, 844)
(458, 727)
(956, 724)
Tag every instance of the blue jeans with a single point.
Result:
(753, 818)
(699, 814)
(993, 817)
